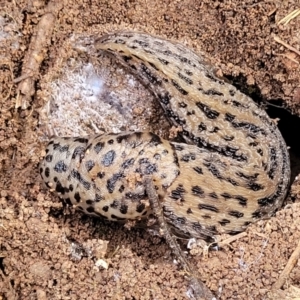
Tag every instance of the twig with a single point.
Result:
(278, 40)
(288, 57)
(232, 239)
(200, 290)
(22, 77)
(288, 268)
(35, 55)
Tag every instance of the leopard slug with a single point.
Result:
(233, 168)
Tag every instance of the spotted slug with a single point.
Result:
(231, 170)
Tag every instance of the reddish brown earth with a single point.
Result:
(50, 251)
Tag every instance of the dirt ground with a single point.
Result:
(50, 251)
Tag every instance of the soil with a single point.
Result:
(50, 251)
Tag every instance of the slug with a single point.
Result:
(231, 170)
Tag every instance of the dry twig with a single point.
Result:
(200, 290)
(35, 55)
(288, 268)
(232, 239)
(278, 40)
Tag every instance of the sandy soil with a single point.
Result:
(50, 251)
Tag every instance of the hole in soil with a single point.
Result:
(56, 212)
(2, 268)
(287, 125)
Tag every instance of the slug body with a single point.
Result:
(233, 169)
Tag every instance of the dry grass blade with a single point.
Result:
(289, 17)
(278, 40)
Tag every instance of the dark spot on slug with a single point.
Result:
(188, 72)
(48, 158)
(100, 175)
(77, 197)
(123, 137)
(153, 65)
(89, 165)
(178, 147)
(242, 200)
(228, 138)
(115, 204)
(208, 207)
(123, 209)
(213, 92)
(209, 112)
(189, 211)
(117, 218)
(198, 170)
(181, 220)
(232, 92)
(90, 209)
(47, 172)
(163, 61)
(223, 222)
(226, 195)
(182, 104)
(185, 78)
(202, 127)
(178, 193)
(150, 76)
(126, 58)
(108, 158)
(157, 156)
(120, 41)
(78, 151)
(164, 98)
(127, 163)
(155, 139)
(111, 182)
(98, 147)
(60, 148)
(198, 191)
(81, 140)
(179, 88)
(213, 195)
(59, 188)
(206, 217)
(236, 214)
(140, 207)
(255, 186)
(75, 174)
(68, 201)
